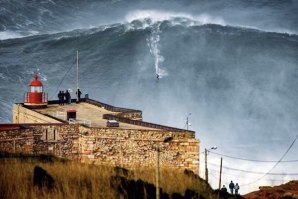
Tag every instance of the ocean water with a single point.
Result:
(232, 64)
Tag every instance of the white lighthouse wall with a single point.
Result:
(23, 115)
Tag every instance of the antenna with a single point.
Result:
(188, 124)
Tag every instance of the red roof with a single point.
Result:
(36, 81)
(6, 127)
(71, 110)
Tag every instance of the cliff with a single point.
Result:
(284, 191)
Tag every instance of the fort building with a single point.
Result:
(94, 132)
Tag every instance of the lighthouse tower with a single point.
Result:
(36, 98)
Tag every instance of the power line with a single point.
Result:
(240, 176)
(63, 79)
(252, 160)
(256, 172)
(214, 176)
(291, 145)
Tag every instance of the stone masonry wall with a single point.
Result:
(16, 140)
(131, 115)
(60, 140)
(120, 147)
(134, 148)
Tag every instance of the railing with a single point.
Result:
(101, 104)
(72, 121)
(26, 98)
(141, 123)
(83, 121)
(59, 114)
(44, 97)
(111, 108)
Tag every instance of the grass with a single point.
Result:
(76, 180)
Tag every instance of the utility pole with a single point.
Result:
(220, 171)
(157, 172)
(77, 91)
(166, 140)
(206, 169)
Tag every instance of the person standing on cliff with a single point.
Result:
(224, 192)
(224, 189)
(232, 186)
(236, 188)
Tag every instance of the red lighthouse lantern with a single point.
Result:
(36, 98)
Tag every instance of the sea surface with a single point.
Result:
(231, 66)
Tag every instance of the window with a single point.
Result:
(36, 89)
(50, 135)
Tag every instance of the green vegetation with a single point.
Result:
(76, 180)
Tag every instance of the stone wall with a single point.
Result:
(134, 148)
(17, 140)
(60, 140)
(120, 147)
(122, 112)
(24, 115)
(131, 115)
(144, 124)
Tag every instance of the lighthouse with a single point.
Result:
(36, 98)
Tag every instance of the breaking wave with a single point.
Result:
(175, 18)
(145, 19)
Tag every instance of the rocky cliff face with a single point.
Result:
(284, 191)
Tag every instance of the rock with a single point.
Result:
(42, 179)
(121, 171)
(285, 191)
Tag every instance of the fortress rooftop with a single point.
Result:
(95, 114)
(86, 113)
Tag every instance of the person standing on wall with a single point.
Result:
(67, 97)
(60, 97)
(78, 93)
(231, 186)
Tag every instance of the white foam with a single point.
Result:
(63, 37)
(154, 46)
(9, 35)
(2, 76)
(178, 18)
(159, 15)
(152, 18)
(14, 35)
